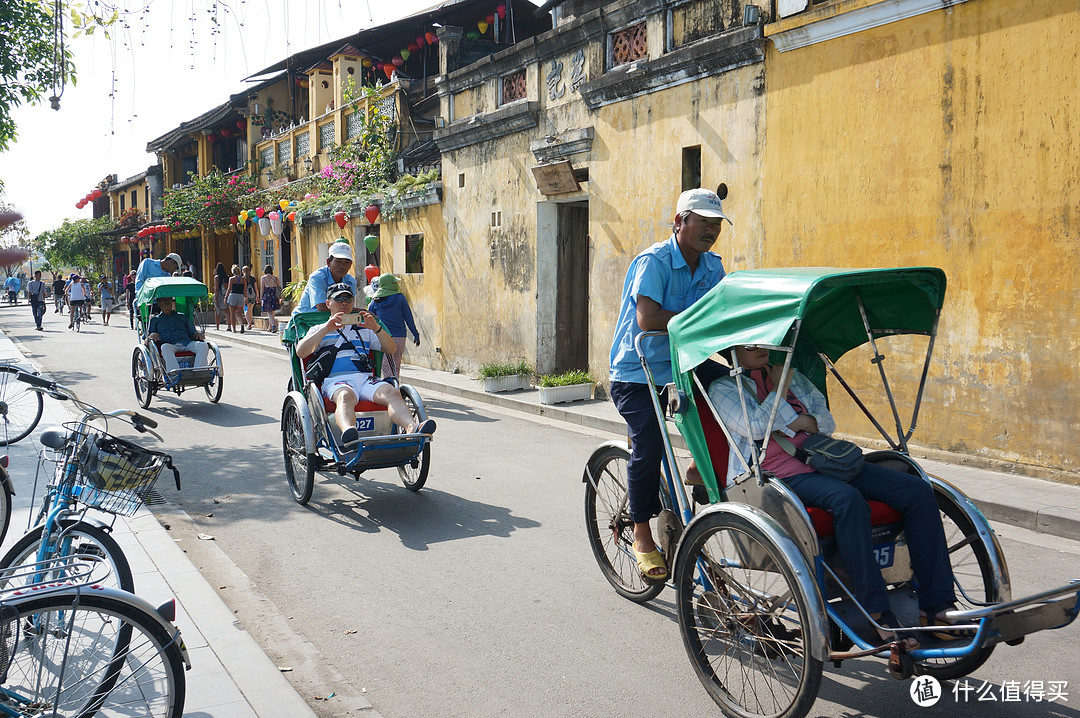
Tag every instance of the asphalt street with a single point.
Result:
(479, 595)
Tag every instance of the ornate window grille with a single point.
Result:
(388, 107)
(303, 144)
(629, 44)
(266, 157)
(513, 86)
(353, 124)
(284, 152)
(327, 136)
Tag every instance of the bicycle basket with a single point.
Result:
(114, 475)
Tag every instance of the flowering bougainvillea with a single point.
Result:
(210, 201)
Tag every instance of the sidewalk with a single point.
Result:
(1031, 503)
(230, 676)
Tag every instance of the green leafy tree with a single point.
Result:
(82, 244)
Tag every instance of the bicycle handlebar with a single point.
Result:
(142, 424)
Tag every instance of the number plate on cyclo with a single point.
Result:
(365, 423)
(884, 554)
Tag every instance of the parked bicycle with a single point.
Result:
(70, 647)
(20, 406)
(91, 470)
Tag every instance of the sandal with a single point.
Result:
(652, 566)
(939, 619)
(888, 620)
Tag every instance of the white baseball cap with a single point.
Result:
(701, 201)
(174, 257)
(341, 250)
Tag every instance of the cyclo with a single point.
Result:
(311, 440)
(762, 599)
(148, 370)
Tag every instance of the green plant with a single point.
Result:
(574, 376)
(295, 289)
(491, 370)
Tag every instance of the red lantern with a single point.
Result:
(419, 41)
(490, 19)
(412, 47)
(389, 70)
(372, 213)
(501, 11)
(341, 219)
(398, 61)
(241, 124)
(259, 212)
(141, 233)
(432, 38)
(79, 205)
(226, 132)
(371, 271)
(96, 194)
(292, 216)
(212, 138)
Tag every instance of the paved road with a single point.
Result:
(478, 596)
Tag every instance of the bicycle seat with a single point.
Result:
(54, 437)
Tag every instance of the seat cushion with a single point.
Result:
(361, 406)
(880, 514)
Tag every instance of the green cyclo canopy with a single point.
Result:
(762, 307)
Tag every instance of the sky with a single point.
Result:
(169, 66)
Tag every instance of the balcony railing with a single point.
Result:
(284, 154)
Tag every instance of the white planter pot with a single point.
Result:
(507, 383)
(563, 394)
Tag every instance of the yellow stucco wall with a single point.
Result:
(948, 139)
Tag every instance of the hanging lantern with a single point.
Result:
(371, 212)
(212, 138)
(292, 216)
(96, 194)
(264, 226)
(412, 47)
(225, 132)
(501, 11)
(490, 19)
(241, 124)
(283, 203)
(406, 53)
(473, 34)
(432, 38)
(398, 61)
(366, 62)
(419, 41)
(341, 218)
(371, 271)
(389, 70)
(292, 203)
(371, 242)
(259, 212)
(483, 27)
(275, 223)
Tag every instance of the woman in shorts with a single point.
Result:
(107, 300)
(235, 299)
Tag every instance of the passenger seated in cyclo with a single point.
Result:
(350, 379)
(805, 412)
(176, 333)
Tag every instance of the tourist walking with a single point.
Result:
(221, 284)
(235, 299)
(250, 298)
(106, 300)
(392, 309)
(35, 290)
(271, 296)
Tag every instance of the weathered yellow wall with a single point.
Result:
(948, 139)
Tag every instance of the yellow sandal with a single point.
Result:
(650, 562)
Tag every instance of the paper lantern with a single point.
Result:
(405, 54)
(431, 38)
(371, 271)
(501, 11)
(96, 194)
(366, 62)
(398, 61)
(283, 203)
(419, 41)
(78, 205)
(412, 47)
(473, 34)
(275, 223)
(483, 27)
(241, 124)
(389, 70)
(292, 216)
(264, 226)
(490, 19)
(341, 218)
(212, 138)
(259, 212)
(371, 242)
(225, 132)
(292, 203)
(371, 212)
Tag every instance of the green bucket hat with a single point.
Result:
(388, 285)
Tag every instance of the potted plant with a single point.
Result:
(573, 385)
(506, 375)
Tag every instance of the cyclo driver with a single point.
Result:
(350, 378)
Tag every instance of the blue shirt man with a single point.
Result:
(662, 281)
(150, 268)
(338, 263)
(176, 332)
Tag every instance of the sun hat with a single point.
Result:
(702, 202)
(341, 250)
(340, 291)
(388, 285)
(175, 258)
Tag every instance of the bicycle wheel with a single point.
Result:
(611, 532)
(299, 465)
(89, 655)
(20, 407)
(414, 474)
(75, 538)
(744, 619)
(5, 504)
(214, 388)
(973, 572)
(142, 376)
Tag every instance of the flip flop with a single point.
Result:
(425, 427)
(888, 620)
(649, 562)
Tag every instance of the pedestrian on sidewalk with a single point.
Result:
(129, 292)
(271, 296)
(392, 309)
(58, 286)
(250, 297)
(106, 300)
(235, 299)
(35, 289)
(662, 281)
(12, 284)
(221, 283)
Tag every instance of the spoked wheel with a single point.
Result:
(414, 474)
(143, 377)
(73, 539)
(20, 407)
(213, 360)
(745, 620)
(611, 532)
(974, 573)
(299, 465)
